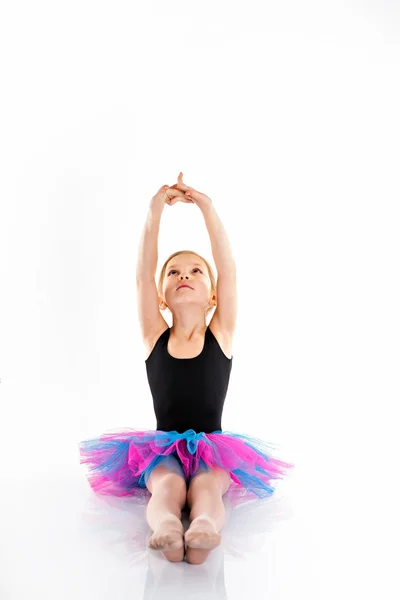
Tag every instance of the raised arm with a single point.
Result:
(224, 317)
(148, 247)
(150, 317)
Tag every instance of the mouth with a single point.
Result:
(182, 286)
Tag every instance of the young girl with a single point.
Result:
(187, 462)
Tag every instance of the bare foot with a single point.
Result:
(169, 539)
(202, 533)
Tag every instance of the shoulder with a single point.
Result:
(149, 343)
(224, 338)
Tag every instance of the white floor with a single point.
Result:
(287, 115)
(59, 540)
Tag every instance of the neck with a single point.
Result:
(188, 330)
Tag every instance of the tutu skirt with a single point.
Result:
(120, 462)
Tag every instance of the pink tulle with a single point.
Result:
(120, 462)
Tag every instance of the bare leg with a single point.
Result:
(164, 513)
(207, 514)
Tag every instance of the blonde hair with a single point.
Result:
(209, 268)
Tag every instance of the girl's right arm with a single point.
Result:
(150, 318)
(148, 248)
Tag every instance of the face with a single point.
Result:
(191, 270)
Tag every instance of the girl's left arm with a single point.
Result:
(220, 245)
(224, 317)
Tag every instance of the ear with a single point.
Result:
(213, 300)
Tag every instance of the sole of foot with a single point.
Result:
(202, 534)
(201, 538)
(169, 539)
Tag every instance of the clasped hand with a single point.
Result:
(180, 192)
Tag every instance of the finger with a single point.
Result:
(183, 188)
(171, 193)
(180, 179)
(198, 196)
(172, 201)
(174, 194)
(180, 185)
(162, 189)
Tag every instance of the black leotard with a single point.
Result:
(188, 393)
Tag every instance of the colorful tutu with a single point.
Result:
(120, 462)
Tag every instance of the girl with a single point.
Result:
(187, 462)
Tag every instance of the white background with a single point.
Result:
(287, 115)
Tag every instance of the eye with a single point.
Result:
(174, 270)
